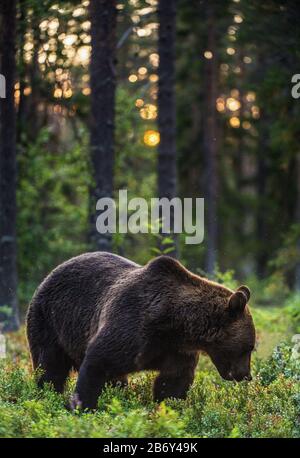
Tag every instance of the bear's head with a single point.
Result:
(230, 349)
(209, 316)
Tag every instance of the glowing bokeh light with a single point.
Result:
(238, 19)
(139, 103)
(154, 59)
(246, 125)
(149, 111)
(153, 78)
(220, 105)
(234, 122)
(151, 138)
(142, 71)
(132, 78)
(255, 112)
(247, 60)
(208, 55)
(251, 96)
(230, 51)
(233, 104)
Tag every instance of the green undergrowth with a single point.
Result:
(269, 406)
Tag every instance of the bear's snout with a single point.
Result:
(239, 376)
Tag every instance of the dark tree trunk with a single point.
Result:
(210, 142)
(21, 115)
(166, 107)
(103, 15)
(262, 227)
(262, 176)
(245, 222)
(35, 83)
(8, 269)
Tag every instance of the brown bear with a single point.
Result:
(107, 317)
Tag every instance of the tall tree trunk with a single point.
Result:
(210, 142)
(166, 107)
(8, 269)
(21, 115)
(262, 226)
(103, 14)
(34, 111)
(245, 173)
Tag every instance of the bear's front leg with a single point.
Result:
(175, 377)
(104, 362)
(171, 386)
(91, 381)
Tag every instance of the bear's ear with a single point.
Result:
(245, 290)
(237, 302)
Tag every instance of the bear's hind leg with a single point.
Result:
(46, 354)
(55, 366)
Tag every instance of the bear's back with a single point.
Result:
(80, 280)
(68, 299)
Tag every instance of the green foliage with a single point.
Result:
(53, 195)
(227, 278)
(52, 209)
(134, 169)
(268, 407)
(288, 255)
(270, 291)
(293, 310)
(281, 362)
(5, 313)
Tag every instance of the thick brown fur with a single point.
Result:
(106, 317)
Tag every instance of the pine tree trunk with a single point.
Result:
(8, 269)
(245, 173)
(262, 228)
(211, 143)
(166, 107)
(21, 115)
(103, 15)
(35, 83)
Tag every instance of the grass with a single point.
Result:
(269, 406)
